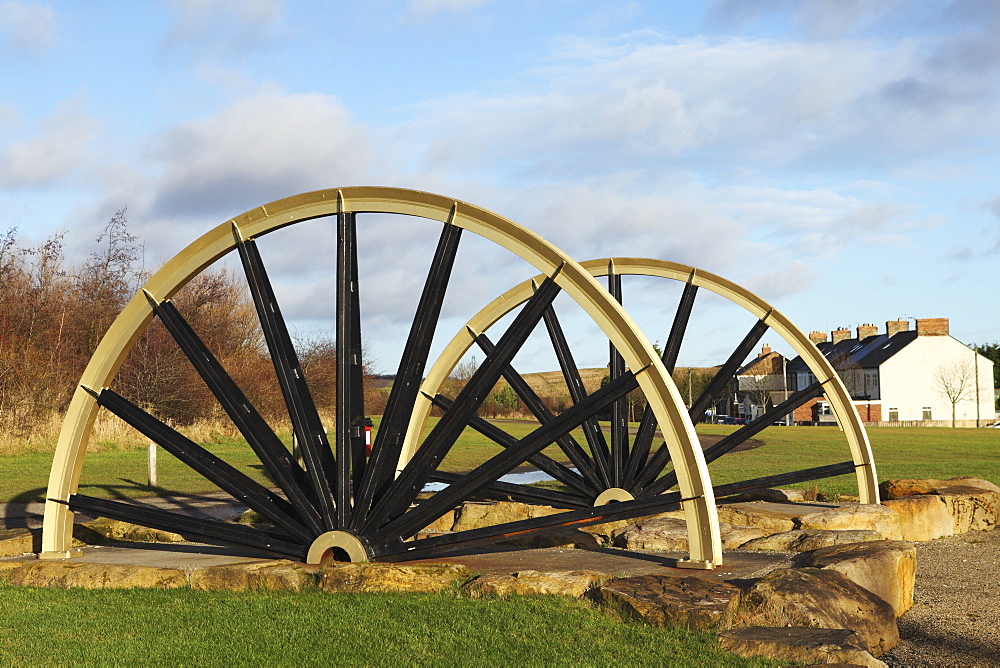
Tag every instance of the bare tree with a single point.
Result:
(955, 382)
(760, 388)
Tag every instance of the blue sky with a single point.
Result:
(838, 157)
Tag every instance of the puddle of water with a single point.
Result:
(525, 478)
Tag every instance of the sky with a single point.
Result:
(837, 157)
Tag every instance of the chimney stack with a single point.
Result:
(864, 331)
(765, 350)
(817, 337)
(896, 326)
(841, 334)
(932, 327)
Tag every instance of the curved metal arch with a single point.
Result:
(694, 483)
(833, 387)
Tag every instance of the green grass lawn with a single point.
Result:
(194, 628)
(899, 453)
(53, 626)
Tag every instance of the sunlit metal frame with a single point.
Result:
(696, 495)
(828, 381)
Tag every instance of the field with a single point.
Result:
(226, 628)
(193, 628)
(112, 472)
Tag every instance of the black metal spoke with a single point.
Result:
(502, 491)
(426, 548)
(306, 424)
(403, 491)
(545, 463)
(388, 443)
(804, 475)
(504, 462)
(761, 422)
(592, 486)
(192, 528)
(726, 373)
(350, 390)
(619, 409)
(596, 470)
(237, 484)
(671, 350)
(277, 461)
(741, 435)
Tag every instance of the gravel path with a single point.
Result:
(955, 618)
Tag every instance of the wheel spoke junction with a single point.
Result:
(332, 493)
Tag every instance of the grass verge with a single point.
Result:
(185, 627)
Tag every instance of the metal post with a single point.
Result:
(975, 359)
(151, 461)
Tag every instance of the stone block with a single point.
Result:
(441, 524)
(662, 535)
(872, 517)
(279, 575)
(66, 574)
(802, 540)
(800, 645)
(477, 514)
(373, 577)
(885, 568)
(524, 583)
(102, 530)
(922, 517)
(971, 509)
(759, 516)
(895, 489)
(820, 598)
(663, 600)
(14, 542)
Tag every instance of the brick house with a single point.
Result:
(901, 375)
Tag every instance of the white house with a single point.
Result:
(904, 375)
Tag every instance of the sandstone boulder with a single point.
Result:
(373, 577)
(872, 517)
(801, 645)
(756, 515)
(102, 529)
(476, 514)
(558, 537)
(820, 598)
(922, 517)
(971, 509)
(663, 600)
(14, 542)
(895, 489)
(265, 574)
(735, 536)
(96, 576)
(441, 524)
(524, 583)
(662, 535)
(885, 568)
(801, 540)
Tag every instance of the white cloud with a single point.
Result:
(224, 26)
(256, 150)
(57, 149)
(26, 27)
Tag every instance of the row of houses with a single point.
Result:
(897, 376)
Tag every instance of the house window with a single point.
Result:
(893, 415)
(824, 408)
(927, 413)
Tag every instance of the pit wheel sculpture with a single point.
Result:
(625, 467)
(338, 502)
